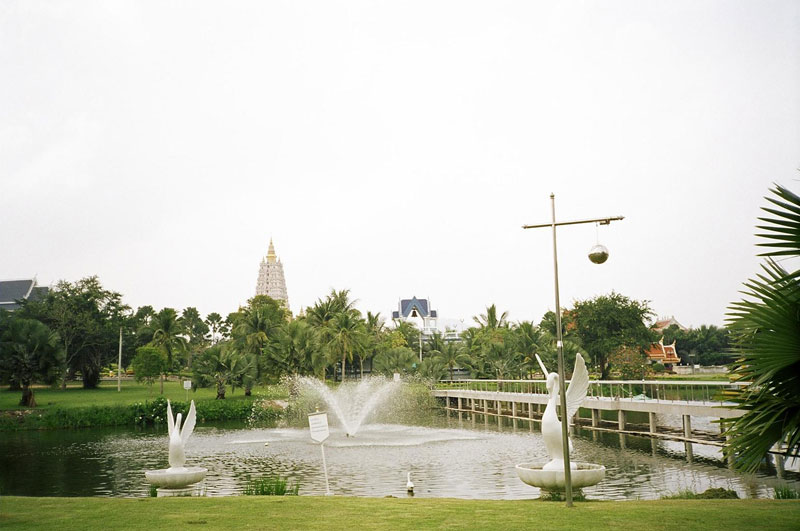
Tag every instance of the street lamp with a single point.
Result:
(598, 255)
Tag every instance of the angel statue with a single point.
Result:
(551, 425)
(178, 436)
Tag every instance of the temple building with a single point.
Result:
(14, 291)
(418, 312)
(661, 353)
(271, 281)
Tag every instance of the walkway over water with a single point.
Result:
(524, 400)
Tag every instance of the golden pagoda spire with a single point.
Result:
(271, 256)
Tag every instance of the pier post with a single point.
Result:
(653, 427)
(595, 418)
(687, 426)
(621, 419)
(459, 404)
(498, 409)
(472, 404)
(530, 410)
(485, 408)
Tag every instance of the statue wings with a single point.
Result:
(170, 419)
(578, 386)
(188, 425)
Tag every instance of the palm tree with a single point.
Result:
(168, 335)
(765, 326)
(398, 359)
(346, 336)
(374, 340)
(29, 351)
(452, 356)
(296, 344)
(490, 320)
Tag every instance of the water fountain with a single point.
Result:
(175, 480)
(351, 403)
(551, 476)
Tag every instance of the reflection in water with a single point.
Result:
(448, 457)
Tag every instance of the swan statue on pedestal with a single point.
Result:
(175, 480)
(551, 425)
(551, 476)
(178, 436)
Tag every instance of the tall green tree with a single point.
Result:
(217, 327)
(87, 319)
(347, 336)
(607, 323)
(256, 329)
(374, 339)
(148, 364)
(196, 331)
(765, 326)
(395, 360)
(29, 351)
(451, 356)
(168, 335)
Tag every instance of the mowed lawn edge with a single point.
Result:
(305, 512)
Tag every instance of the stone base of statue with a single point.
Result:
(175, 493)
(582, 475)
(173, 481)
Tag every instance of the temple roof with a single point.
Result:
(407, 306)
(663, 353)
(664, 323)
(271, 256)
(12, 291)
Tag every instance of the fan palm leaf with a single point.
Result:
(765, 326)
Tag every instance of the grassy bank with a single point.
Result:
(380, 513)
(134, 404)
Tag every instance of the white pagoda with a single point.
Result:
(271, 281)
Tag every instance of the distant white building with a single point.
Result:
(419, 313)
(271, 281)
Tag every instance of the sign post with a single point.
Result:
(318, 426)
(187, 384)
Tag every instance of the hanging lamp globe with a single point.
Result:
(598, 254)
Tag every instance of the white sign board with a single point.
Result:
(318, 424)
(397, 377)
(187, 384)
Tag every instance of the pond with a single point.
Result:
(447, 457)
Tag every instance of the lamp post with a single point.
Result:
(559, 339)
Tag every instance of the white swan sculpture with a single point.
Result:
(551, 476)
(551, 425)
(178, 436)
(174, 481)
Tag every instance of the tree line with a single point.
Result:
(75, 330)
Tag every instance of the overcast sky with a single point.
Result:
(396, 148)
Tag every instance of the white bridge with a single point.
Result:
(525, 399)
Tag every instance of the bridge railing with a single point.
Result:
(657, 390)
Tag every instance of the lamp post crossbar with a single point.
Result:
(601, 221)
(560, 340)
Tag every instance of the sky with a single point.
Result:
(396, 148)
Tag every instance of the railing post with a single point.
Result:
(653, 426)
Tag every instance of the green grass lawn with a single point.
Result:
(107, 395)
(269, 512)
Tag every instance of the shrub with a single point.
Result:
(785, 492)
(710, 494)
(270, 486)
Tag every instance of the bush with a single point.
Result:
(658, 368)
(710, 494)
(785, 492)
(270, 486)
(141, 414)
